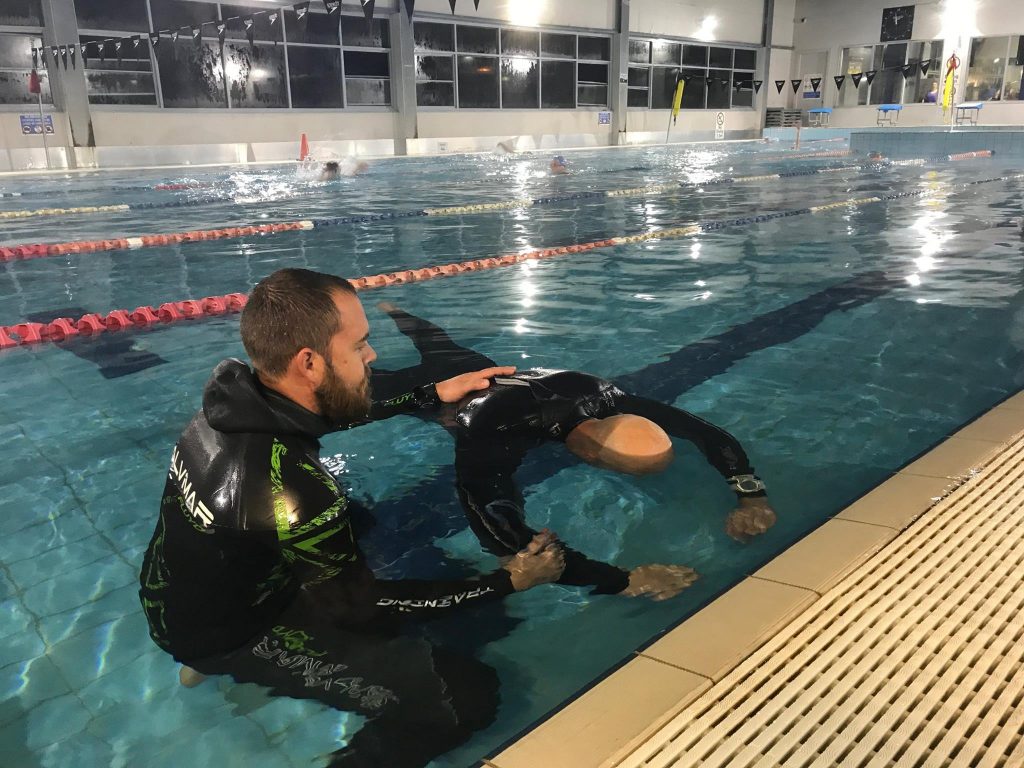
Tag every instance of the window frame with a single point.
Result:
(880, 57)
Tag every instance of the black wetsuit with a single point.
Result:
(495, 429)
(254, 571)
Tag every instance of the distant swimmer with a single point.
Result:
(333, 170)
(559, 166)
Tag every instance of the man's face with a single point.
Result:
(344, 394)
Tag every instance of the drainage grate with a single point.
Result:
(914, 660)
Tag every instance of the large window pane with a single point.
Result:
(255, 75)
(316, 28)
(434, 37)
(14, 88)
(16, 51)
(315, 75)
(695, 90)
(744, 95)
(558, 45)
(640, 76)
(435, 68)
(435, 94)
(986, 68)
(261, 28)
(366, 64)
(887, 87)
(366, 92)
(354, 32)
(23, 13)
(1014, 89)
(519, 42)
(120, 88)
(666, 53)
(663, 86)
(745, 59)
(920, 87)
(558, 84)
(640, 51)
(593, 73)
(719, 88)
(638, 97)
(172, 14)
(593, 96)
(478, 82)
(720, 57)
(519, 80)
(595, 48)
(695, 55)
(855, 61)
(124, 15)
(191, 75)
(477, 39)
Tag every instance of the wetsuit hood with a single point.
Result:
(234, 400)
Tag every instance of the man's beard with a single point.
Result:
(339, 404)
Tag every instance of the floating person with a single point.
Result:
(559, 166)
(254, 570)
(596, 421)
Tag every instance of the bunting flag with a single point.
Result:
(250, 32)
(64, 55)
(85, 54)
(136, 40)
(154, 39)
(737, 83)
(839, 79)
(757, 85)
(452, 4)
(925, 66)
(197, 35)
(301, 9)
(908, 69)
(815, 82)
(796, 84)
(856, 79)
(222, 30)
(409, 5)
(476, 5)
(117, 50)
(332, 6)
(101, 48)
(368, 10)
(779, 85)
(870, 75)
(273, 19)
(55, 52)
(174, 35)
(35, 58)
(71, 54)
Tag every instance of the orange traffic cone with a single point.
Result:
(303, 148)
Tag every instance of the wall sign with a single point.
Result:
(33, 125)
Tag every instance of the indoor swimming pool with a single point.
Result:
(836, 345)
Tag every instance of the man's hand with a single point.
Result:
(752, 517)
(453, 390)
(541, 562)
(659, 582)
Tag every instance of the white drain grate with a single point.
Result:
(914, 660)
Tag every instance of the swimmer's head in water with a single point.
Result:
(558, 164)
(330, 172)
(623, 443)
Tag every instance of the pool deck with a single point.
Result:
(891, 635)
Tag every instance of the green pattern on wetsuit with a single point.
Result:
(157, 576)
(277, 450)
(320, 475)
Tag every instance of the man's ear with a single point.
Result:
(305, 364)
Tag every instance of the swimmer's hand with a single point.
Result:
(541, 562)
(453, 390)
(751, 518)
(659, 582)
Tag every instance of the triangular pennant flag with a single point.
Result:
(136, 40)
(85, 54)
(64, 55)
(101, 46)
(452, 4)
(222, 30)
(856, 77)
(796, 84)
(840, 79)
(476, 4)
(250, 31)
(869, 76)
(117, 49)
(332, 6)
(273, 18)
(197, 33)
(35, 58)
(174, 35)
(709, 80)
(907, 69)
(409, 5)
(737, 83)
(757, 85)
(815, 82)
(71, 54)
(368, 10)
(154, 39)
(301, 9)
(55, 51)
(779, 85)
(924, 67)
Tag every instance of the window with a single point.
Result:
(191, 74)
(128, 15)
(118, 77)
(262, 29)
(15, 68)
(315, 77)
(313, 29)
(716, 77)
(255, 75)
(175, 14)
(898, 77)
(478, 67)
(21, 13)
(994, 71)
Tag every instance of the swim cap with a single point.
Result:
(560, 159)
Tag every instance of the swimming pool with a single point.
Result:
(836, 346)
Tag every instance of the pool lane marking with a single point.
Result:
(90, 324)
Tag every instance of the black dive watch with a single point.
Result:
(747, 485)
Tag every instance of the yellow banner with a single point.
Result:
(677, 99)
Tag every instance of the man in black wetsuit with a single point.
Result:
(598, 422)
(253, 569)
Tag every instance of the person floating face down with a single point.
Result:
(254, 569)
(595, 420)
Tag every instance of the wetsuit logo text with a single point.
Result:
(441, 602)
(179, 474)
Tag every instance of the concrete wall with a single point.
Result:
(737, 21)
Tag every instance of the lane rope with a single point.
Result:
(93, 324)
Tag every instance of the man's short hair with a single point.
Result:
(288, 311)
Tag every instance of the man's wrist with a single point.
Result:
(426, 396)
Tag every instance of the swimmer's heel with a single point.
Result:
(189, 677)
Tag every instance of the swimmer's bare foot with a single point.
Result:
(189, 677)
(387, 306)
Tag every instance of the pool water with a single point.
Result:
(835, 346)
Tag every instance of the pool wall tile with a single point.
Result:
(823, 557)
(897, 502)
(714, 640)
(1015, 403)
(606, 718)
(998, 425)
